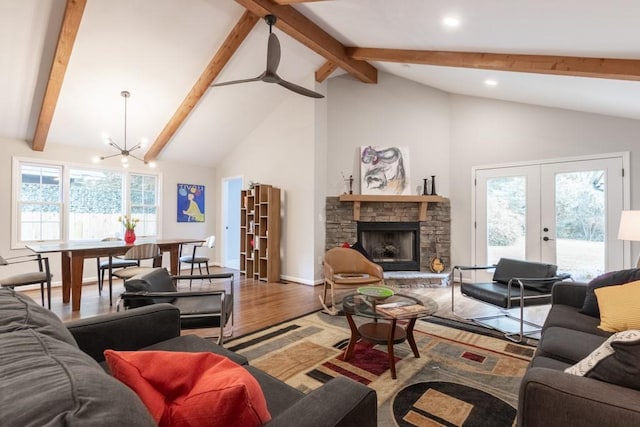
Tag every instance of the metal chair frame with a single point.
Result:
(504, 311)
(193, 259)
(24, 279)
(145, 295)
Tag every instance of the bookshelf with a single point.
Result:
(260, 233)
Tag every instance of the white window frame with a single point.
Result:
(127, 193)
(16, 188)
(16, 243)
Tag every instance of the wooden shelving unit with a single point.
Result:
(423, 201)
(260, 233)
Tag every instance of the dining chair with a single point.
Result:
(137, 253)
(192, 258)
(116, 263)
(42, 276)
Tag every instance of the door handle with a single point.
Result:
(546, 239)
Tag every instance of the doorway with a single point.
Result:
(231, 188)
(564, 212)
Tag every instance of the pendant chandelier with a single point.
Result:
(124, 151)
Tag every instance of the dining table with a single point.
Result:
(73, 255)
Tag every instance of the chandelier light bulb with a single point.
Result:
(124, 159)
(451, 21)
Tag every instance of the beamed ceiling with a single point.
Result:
(67, 61)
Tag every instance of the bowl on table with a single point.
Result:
(375, 293)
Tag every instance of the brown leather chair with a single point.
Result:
(347, 268)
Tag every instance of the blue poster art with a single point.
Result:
(190, 203)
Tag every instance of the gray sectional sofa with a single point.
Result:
(550, 397)
(54, 374)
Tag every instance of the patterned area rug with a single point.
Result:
(461, 378)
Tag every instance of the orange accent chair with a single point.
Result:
(347, 268)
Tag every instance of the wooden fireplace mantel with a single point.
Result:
(375, 198)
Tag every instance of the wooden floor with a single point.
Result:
(259, 304)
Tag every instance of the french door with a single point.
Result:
(562, 212)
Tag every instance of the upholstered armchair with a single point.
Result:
(347, 268)
(515, 284)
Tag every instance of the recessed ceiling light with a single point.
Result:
(451, 21)
(491, 82)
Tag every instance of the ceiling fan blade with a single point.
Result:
(233, 82)
(273, 54)
(299, 89)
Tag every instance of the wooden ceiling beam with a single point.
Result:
(294, 1)
(325, 71)
(606, 68)
(311, 35)
(73, 12)
(230, 45)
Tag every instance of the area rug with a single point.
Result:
(461, 378)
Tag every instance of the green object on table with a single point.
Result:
(376, 292)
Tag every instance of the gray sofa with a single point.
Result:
(550, 397)
(52, 374)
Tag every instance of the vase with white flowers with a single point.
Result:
(129, 225)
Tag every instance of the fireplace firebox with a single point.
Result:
(392, 245)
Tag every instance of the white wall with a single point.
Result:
(394, 112)
(171, 176)
(280, 152)
(489, 132)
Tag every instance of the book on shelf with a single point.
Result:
(400, 311)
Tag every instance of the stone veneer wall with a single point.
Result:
(435, 232)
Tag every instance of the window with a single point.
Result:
(39, 203)
(57, 202)
(143, 193)
(95, 203)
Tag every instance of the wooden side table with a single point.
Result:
(383, 330)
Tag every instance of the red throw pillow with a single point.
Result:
(186, 389)
(346, 245)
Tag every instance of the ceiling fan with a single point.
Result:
(273, 60)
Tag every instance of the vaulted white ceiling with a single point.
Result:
(157, 49)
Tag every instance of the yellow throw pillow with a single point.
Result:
(619, 307)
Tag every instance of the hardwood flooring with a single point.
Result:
(259, 305)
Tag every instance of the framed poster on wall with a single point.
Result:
(190, 203)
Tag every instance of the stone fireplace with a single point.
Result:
(433, 237)
(392, 245)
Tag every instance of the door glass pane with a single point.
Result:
(580, 223)
(506, 218)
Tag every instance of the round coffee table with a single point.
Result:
(384, 329)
